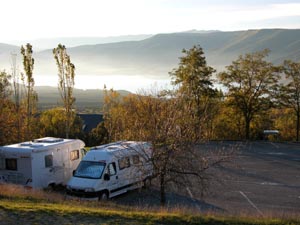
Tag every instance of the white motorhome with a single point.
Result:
(40, 163)
(113, 169)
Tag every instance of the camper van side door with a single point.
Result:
(111, 172)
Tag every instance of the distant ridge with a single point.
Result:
(158, 54)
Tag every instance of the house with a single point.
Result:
(90, 121)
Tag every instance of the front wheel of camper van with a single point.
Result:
(103, 196)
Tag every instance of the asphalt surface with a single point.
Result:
(263, 179)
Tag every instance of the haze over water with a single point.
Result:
(132, 83)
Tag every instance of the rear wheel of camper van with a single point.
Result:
(50, 187)
(103, 196)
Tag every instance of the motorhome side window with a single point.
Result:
(112, 169)
(74, 155)
(136, 159)
(124, 163)
(11, 164)
(48, 160)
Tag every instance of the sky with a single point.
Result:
(34, 19)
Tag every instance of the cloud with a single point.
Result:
(60, 18)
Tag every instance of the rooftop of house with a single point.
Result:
(90, 121)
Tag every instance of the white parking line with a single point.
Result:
(251, 203)
(192, 197)
(276, 146)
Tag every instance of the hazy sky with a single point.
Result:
(32, 19)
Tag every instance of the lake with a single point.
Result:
(132, 83)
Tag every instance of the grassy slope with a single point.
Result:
(24, 212)
(19, 206)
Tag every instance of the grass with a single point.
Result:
(23, 206)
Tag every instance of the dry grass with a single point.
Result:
(19, 205)
(21, 192)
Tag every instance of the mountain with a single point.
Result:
(49, 43)
(159, 54)
(5, 55)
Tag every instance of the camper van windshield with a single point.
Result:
(89, 169)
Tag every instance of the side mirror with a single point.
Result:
(106, 176)
(74, 171)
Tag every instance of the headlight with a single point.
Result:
(89, 190)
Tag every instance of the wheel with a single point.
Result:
(50, 188)
(103, 196)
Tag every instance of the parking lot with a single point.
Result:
(263, 179)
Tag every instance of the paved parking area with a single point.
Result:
(264, 179)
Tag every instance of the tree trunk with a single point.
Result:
(28, 119)
(298, 125)
(67, 123)
(162, 190)
(247, 128)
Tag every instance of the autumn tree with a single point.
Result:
(66, 75)
(228, 123)
(284, 120)
(290, 92)
(52, 123)
(31, 95)
(6, 106)
(161, 120)
(97, 136)
(5, 91)
(112, 113)
(17, 97)
(250, 81)
(194, 80)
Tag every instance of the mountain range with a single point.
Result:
(156, 55)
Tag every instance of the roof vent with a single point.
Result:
(27, 144)
(48, 140)
(31, 144)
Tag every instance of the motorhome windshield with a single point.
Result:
(90, 169)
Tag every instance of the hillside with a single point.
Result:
(48, 43)
(158, 54)
(85, 99)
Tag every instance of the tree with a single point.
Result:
(66, 74)
(17, 96)
(228, 123)
(284, 121)
(250, 81)
(97, 136)
(112, 111)
(31, 95)
(290, 92)
(5, 91)
(161, 120)
(194, 78)
(52, 123)
(5, 108)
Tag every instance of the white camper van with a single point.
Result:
(110, 170)
(40, 163)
